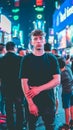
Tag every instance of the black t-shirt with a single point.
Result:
(40, 70)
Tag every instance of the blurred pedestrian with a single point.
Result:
(9, 73)
(2, 98)
(21, 51)
(67, 94)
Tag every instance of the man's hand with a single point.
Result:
(33, 92)
(33, 109)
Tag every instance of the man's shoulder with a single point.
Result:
(27, 56)
(51, 56)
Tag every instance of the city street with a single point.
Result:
(30, 30)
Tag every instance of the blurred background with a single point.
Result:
(19, 17)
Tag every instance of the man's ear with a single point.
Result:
(31, 43)
(44, 41)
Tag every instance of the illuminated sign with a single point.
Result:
(15, 17)
(39, 16)
(39, 2)
(67, 12)
(39, 9)
(63, 16)
(15, 10)
(5, 24)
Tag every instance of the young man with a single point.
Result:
(39, 74)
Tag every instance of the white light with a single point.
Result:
(5, 24)
(21, 37)
(71, 51)
(39, 24)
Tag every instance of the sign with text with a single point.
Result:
(63, 16)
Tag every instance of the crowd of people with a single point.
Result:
(34, 79)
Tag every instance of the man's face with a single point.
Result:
(38, 42)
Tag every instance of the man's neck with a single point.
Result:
(38, 52)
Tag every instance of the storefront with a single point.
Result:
(63, 25)
(5, 29)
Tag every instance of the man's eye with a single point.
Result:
(41, 38)
(35, 38)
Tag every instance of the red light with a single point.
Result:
(16, 4)
(39, 2)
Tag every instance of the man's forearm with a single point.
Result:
(51, 84)
(25, 89)
(29, 99)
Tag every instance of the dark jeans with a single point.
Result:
(47, 116)
(11, 114)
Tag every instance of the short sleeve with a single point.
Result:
(24, 68)
(54, 65)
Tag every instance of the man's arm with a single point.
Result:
(32, 107)
(25, 89)
(51, 84)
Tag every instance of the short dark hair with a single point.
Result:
(37, 32)
(47, 47)
(20, 49)
(61, 62)
(10, 45)
(67, 57)
(55, 50)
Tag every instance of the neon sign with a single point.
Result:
(63, 16)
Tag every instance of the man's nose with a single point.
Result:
(38, 40)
